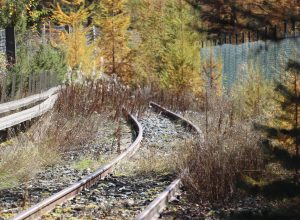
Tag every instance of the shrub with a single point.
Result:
(214, 165)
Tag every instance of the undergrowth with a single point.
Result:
(230, 149)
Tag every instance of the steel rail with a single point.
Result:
(48, 204)
(154, 209)
(28, 114)
(13, 105)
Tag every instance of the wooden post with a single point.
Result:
(30, 84)
(34, 83)
(3, 93)
(21, 86)
(41, 82)
(10, 44)
(13, 86)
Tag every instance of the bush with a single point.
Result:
(51, 59)
(213, 166)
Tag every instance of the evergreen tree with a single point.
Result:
(114, 21)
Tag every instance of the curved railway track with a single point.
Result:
(48, 204)
(144, 207)
(154, 209)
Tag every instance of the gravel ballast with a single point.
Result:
(136, 182)
(54, 178)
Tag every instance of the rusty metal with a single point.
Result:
(48, 204)
(172, 115)
(154, 209)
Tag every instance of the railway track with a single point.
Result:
(75, 164)
(40, 208)
(127, 193)
(155, 208)
(133, 187)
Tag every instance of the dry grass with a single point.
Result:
(73, 121)
(150, 161)
(230, 148)
(24, 158)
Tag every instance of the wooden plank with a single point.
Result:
(28, 114)
(13, 105)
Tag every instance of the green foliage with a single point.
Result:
(45, 58)
(12, 12)
(50, 59)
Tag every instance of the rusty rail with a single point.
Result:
(154, 209)
(48, 204)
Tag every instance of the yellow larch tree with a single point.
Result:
(114, 20)
(79, 51)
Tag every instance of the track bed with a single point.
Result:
(136, 182)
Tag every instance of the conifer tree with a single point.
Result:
(181, 52)
(284, 131)
(168, 52)
(79, 51)
(114, 21)
(253, 95)
(149, 51)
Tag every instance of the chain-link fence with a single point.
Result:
(2, 41)
(269, 57)
(31, 73)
